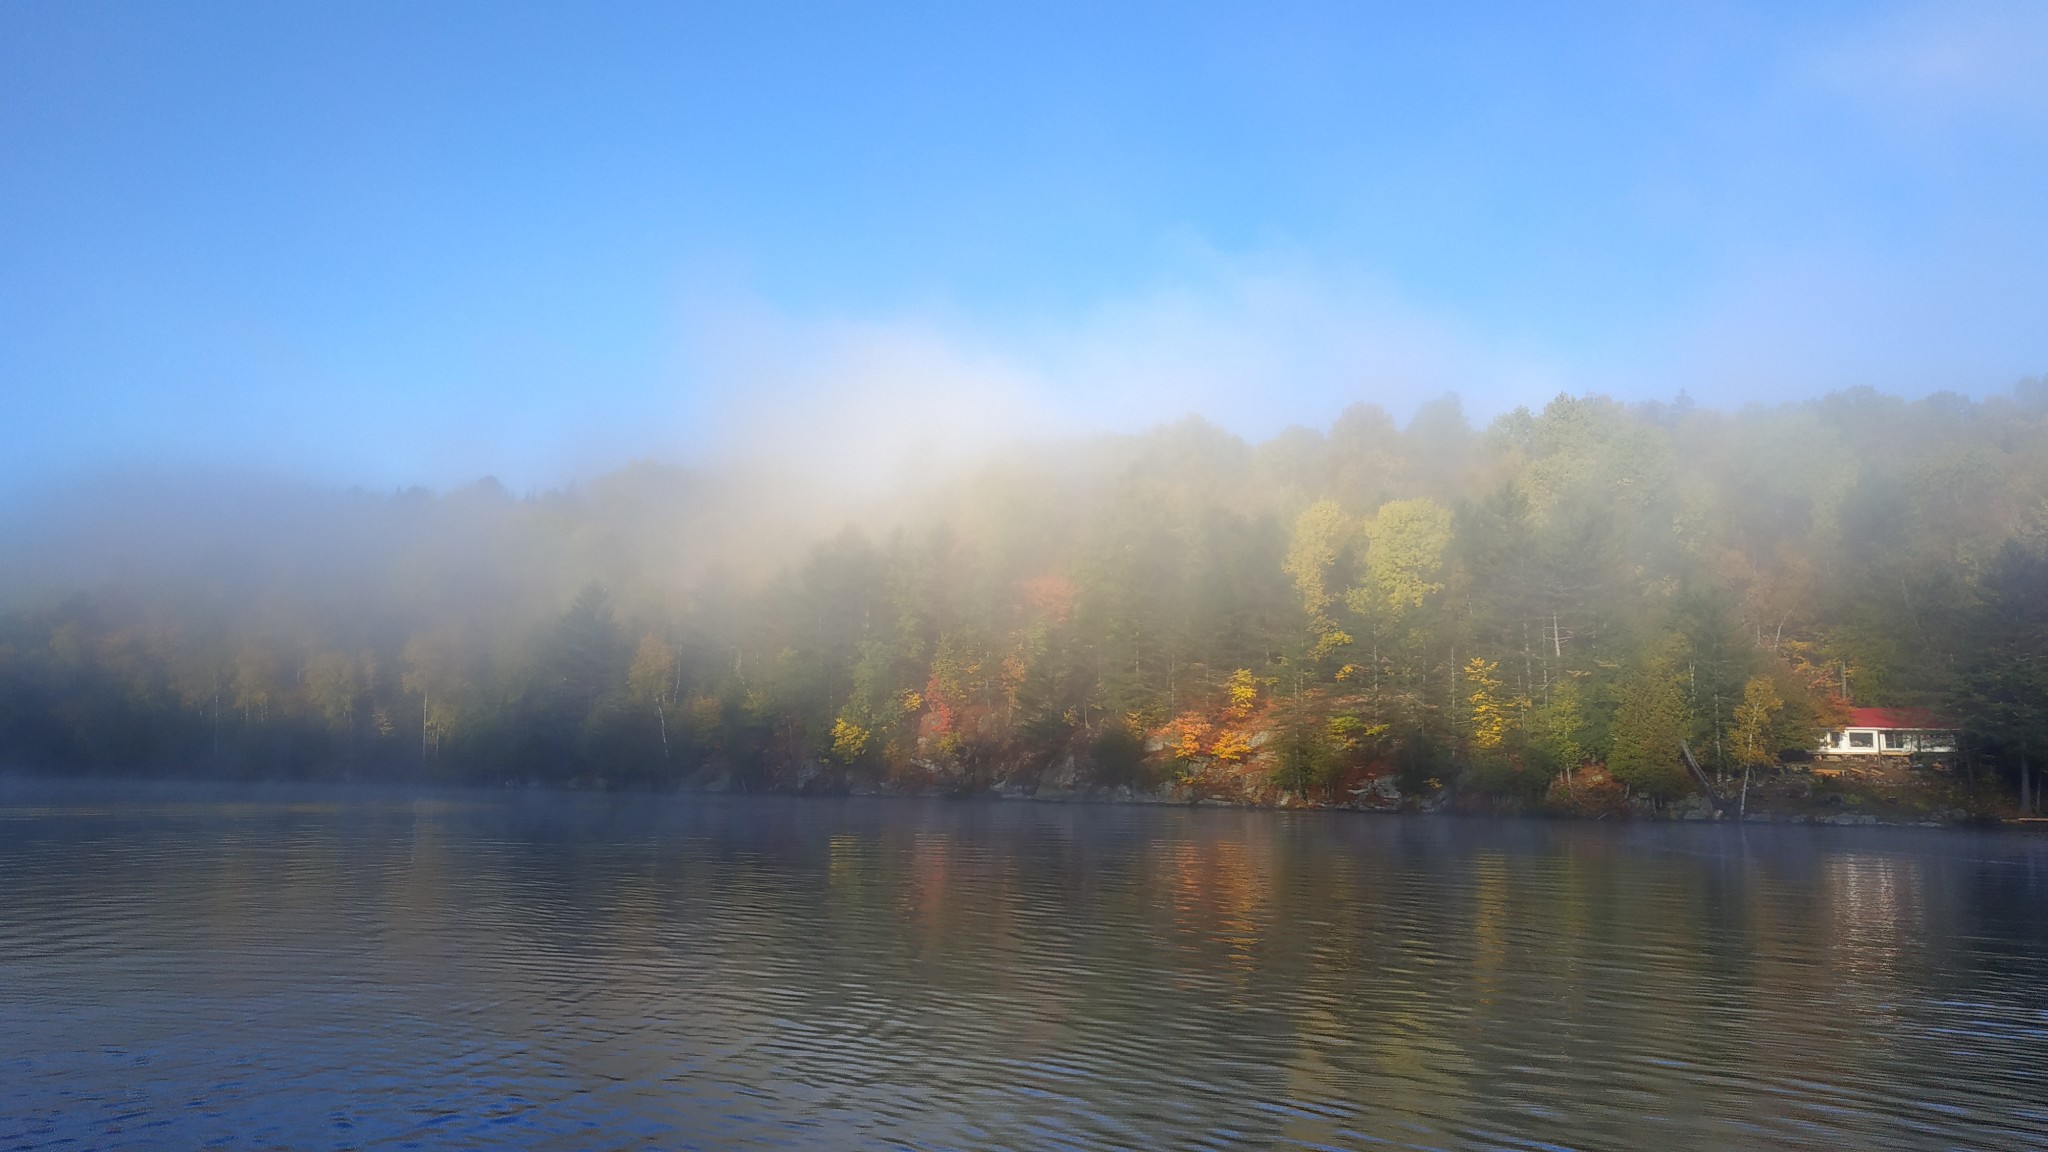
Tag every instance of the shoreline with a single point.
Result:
(1693, 809)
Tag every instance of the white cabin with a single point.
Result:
(1888, 732)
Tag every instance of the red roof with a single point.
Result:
(1919, 719)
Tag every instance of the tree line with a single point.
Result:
(1571, 590)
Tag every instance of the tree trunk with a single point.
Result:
(1699, 774)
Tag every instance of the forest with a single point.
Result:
(1561, 595)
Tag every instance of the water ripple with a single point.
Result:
(319, 968)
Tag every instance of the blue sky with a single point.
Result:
(387, 244)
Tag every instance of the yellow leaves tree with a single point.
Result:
(1231, 746)
(849, 740)
(1755, 720)
(1319, 537)
(1321, 534)
(1406, 544)
(1242, 691)
(1401, 549)
(1494, 712)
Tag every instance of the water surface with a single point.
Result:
(194, 966)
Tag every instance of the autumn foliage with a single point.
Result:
(1542, 607)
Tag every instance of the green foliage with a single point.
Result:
(1118, 756)
(1501, 772)
(2000, 694)
(1557, 729)
(1489, 606)
(1356, 736)
(1304, 760)
(1422, 761)
(1649, 724)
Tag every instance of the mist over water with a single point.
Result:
(318, 967)
(465, 469)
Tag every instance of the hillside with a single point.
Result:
(1328, 617)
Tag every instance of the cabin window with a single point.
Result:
(1896, 741)
(1862, 739)
(1834, 739)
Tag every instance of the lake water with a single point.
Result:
(188, 967)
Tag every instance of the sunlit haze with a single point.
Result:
(394, 244)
